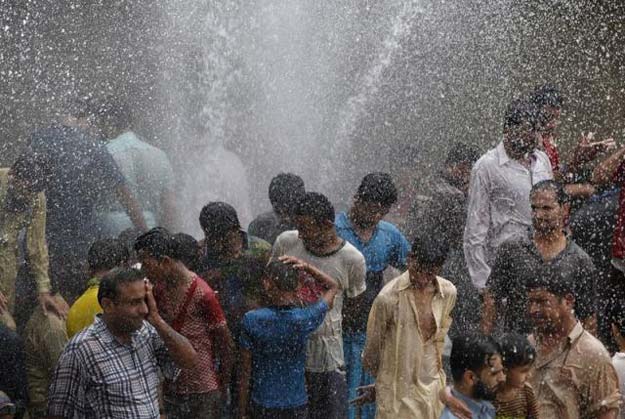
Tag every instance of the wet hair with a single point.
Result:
(429, 252)
(284, 276)
(379, 188)
(462, 153)
(111, 281)
(159, 243)
(471, 353)
(30, 168)
(107, 254)
(552, 280)
(218, 218)
(187, 249)
(551, 185)
(114, 112)
(128, 238)
(317, 206)
(520, 112)
(547, 95)
(285, 190)
(79, 107)
(516, 351)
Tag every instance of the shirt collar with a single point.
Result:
(575, 333)
(502, 156)
(404, 283)
(482, 407)
(103, 332)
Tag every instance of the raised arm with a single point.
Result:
(604, 172)
(330, 286)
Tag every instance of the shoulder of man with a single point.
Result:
(288, 238)
(446, 286)
(593, 350)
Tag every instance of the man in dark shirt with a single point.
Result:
(77, 170)
(518, 261)
(12, 369)
(284, 191)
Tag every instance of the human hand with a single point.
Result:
(4, 303)
(153, 316)
(295, 262)
(366, 394)
(587, 149)
(56, 306)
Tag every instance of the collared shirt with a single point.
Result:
(45, 338)
(347, 267)
(148, 174)
(576, 380)
(394, 350)
(386, 247)
(33, 220)
(480, 409)
(498, 208)
(518, 261)
(99, 377)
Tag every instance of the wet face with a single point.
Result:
(421, 276)
(367, 214)
(152, 267)
(520, 140)
(128, 310)
(491, 379)
(552, 119)
(547, 214)
(460, 174)
(229, 246)
(517, 376)
(547, 310)
(312, 233)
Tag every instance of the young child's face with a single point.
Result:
(517, 376)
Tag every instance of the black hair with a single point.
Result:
(317, 206)
(516, 351)
(551, 280)
(429, 252)
(188, 249)
(218, 218)
(107, 254)
(114, 112)
(521, 112)
(551, 185)
(379, 188)
(110, 282)
(471, 353)
(32, 169)
(128, 237)
(462, 153)
(547, 95)
(160, 243)
(285, 190)
(284, 276)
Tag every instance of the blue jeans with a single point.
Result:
(353, 345)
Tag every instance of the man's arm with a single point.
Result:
(476, 229)
(225, 348)
(244, 382)
(132, 207)
(605, 171)
(376, 334)
(330, 286)
(168, 209)
(180, 350)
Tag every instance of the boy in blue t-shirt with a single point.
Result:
(273, 342)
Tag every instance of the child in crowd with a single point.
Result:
(516, 399)
(618, 360)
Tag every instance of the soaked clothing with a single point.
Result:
(14, 220)
(148, 174)
(45, 338)
(522, 405)
(498, 207)
(408, 371)
(268, 226)
(576, 380)
(480, 409)
(99, 377)
(519, 260)
(84, 310)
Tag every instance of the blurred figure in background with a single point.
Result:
(13, 379)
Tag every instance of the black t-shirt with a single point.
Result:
(519, 260)
(79, 169)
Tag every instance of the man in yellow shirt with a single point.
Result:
(103, 256)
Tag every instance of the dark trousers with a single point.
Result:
(192, 406)
(327, 395)
(259, 412)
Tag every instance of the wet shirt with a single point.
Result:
(195, 318)
(519, 260)
(498, 207)
(347, 267)
(576, 380)
(395, 352)
(480, 409)
(386, 247)
(268, 226)
(522, 404)
(99, 377)
(276, 337)
(79, 171)
(618, 361)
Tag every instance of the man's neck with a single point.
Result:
(555, 338)
(330, 246)
(121, 336)
(550, 242)
(466, 391)
(181, 276)
(364, 233)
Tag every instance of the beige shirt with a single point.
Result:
(576, 380)
(347, 267)
(397, 356)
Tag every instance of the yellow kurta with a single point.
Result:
(408, 371)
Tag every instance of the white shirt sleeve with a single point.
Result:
(476, 228)
(357, 274)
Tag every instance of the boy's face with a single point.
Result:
(517, 376)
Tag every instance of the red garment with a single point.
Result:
(618, 240)
(552, 152)
(195, 318)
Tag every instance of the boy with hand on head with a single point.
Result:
(274, 342)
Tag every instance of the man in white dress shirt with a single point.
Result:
(498, 206)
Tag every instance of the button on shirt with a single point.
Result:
(499, 208)
(99, 377)
(480, 409)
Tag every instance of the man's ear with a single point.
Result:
(468, 377)
(569, 300)
(106, 303)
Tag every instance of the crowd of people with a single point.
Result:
(498, 294)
